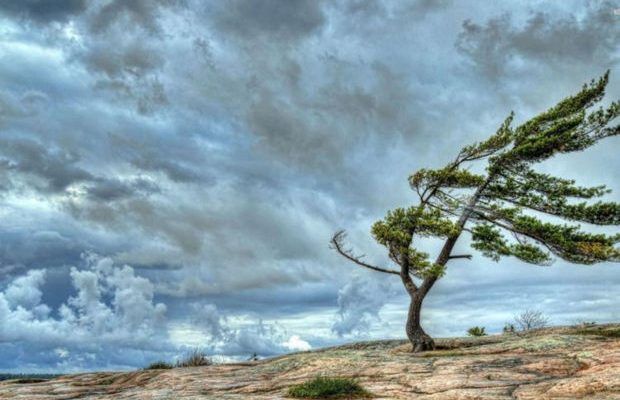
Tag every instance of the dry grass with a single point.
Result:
(195, 358)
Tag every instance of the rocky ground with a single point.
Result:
(558, 363)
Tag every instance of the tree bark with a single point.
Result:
(419, 339)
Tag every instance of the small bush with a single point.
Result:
(328, 388)
(509, 328)
(476, 331)
(195, 358)
(160, 365)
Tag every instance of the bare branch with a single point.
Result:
(467, 256)
(337, 243)
(531, 319)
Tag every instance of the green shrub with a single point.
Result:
(160, 365)
(328, 388)
(476, 331)
(509, 328)
(605, 332)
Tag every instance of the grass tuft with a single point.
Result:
(160, 365)
(329, 388)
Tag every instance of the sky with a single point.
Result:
(171, 171)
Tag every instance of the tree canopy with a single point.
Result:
(509, 208)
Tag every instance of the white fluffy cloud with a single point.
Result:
(112, 310)
(113, 321)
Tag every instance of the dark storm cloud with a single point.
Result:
(56, 168)
(112, 189)
(43, 11)
(285, 19)
(545, 39)
(134, 58)
(135, 13)
(24, 249)
(174, 170)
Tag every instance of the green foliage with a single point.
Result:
(399, 225)
(568, 241)
(502, 138)
(509, 328)
(396, 231)
(160, 365)
(476, 331)
(329, 388)
(445, 177)
(489, 240)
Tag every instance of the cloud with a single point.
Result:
(261, 339)
(57, 169)
(86, 324)
(137, 13)
(216, 147)
(500, 46)
(20, 106)
(359, 304)
(284, 19)
(25, 291)
(221, 335)
(295, 343)
(44, 11)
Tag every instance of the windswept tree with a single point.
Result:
(509, 209)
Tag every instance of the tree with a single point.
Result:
(509, 209)
(531, 319)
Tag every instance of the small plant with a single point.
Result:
(531, 319)
(160, 365)
(329, 388)
(195, 358)
(582, 323)
(509, 328)
(476, 331)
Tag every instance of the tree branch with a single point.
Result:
(337, 244)
(467, 256)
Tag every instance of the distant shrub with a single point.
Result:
(476, 331)
(531, 319)
(195, 358)
(329, 388)
(24, 378)
(609, 332)
(160, 365)
(582, 323)
(509, 328)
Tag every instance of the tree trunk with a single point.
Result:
(418, 338)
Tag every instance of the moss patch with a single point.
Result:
(329, 388)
